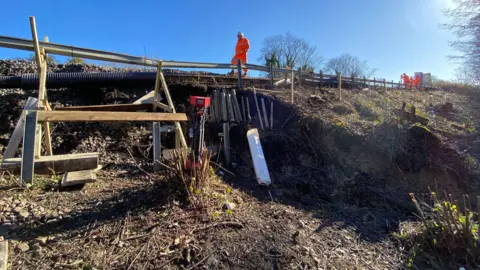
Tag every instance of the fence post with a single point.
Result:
(271, 76)
(392, 84)
(292, 84)
(299, 76)
(353, 81)
(339, 78)
(384, 84)
(239, 70)
(374, 83)
(321, 76)
(365, 81)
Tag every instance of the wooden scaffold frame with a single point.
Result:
(37, 116)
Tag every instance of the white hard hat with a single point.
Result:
(240, 34)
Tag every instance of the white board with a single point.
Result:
(259, 163)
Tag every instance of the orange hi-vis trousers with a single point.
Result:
(243, 60)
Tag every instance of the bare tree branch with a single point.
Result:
(290, 51)
(350, 65)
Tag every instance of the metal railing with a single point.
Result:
(72, 51)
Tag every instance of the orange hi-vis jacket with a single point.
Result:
(241, 49)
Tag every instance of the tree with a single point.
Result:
(349, 65)
(75, 61)
(465, 24)
(289, 51)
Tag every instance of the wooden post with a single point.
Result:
(265, 116)
(384, 84)
(299, 76)
(292, 85)
(226, 142)
(374, 83)
(239, 70)
(249, 118)
(365, 81)
(353, 81)
(157, 145)
(271, 76)
(392, 84)
(258, 108)
(271, 114)
(321, 76)
(36, 46)
(41, 89)
(178, 127)
(244, 113)
(339, 78)
(47, 136)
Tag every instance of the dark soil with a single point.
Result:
(340, 189)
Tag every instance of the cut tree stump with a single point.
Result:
(78, 178)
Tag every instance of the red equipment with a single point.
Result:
(197, 132)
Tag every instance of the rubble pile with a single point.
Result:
(21, 66)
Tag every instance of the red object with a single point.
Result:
(193, 164)
(200, 102)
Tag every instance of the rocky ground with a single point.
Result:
(341, 171)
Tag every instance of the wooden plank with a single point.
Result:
(108, 107)
(78, 178)
(146, 99)
(164, 107)
(28, 150)
(57, 163)
(268, 91)
(46, 126)
(145, 105)
(36, 46)
(17, 134)
(3, 253)
(96, 116)
(157, 85)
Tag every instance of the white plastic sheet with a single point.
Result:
(259, 163)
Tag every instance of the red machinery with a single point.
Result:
(197, 132)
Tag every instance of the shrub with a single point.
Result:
(447, 233)
(75, 61)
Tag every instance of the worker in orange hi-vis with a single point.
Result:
(241, 50)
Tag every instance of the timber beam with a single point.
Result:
(101, 116)
(57, 163)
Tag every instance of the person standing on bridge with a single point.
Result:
(241, 50)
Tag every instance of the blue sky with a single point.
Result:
(395, 36)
